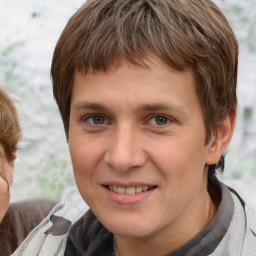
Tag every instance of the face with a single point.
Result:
(137, 143)
(6, 169)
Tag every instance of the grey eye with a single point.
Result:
(98, 119)
(161, 120)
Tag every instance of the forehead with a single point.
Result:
(155, 86)
(151, 69)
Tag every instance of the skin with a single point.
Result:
(131, 126)
(7, 168)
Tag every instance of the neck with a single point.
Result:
(172, 237)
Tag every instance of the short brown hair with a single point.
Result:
(10, 132)
(182, 33)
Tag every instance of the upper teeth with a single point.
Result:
(130, 190)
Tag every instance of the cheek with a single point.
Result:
(4, 189)
(9, 172)
(86, 158)
(7, 169)
(180, 162)
(85, 155)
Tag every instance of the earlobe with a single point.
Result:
(220, 141)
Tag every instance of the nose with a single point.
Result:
(125, 150)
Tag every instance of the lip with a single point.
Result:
(128, 199)
(128, 184)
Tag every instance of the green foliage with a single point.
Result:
(254, 168)
(55, 175)
(10, 49)
(237, 173)
(8, 65)
(252, 37)
(247, 167)
(235, 10)
(242, 20)
(247, 113)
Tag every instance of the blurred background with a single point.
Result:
(29, 30)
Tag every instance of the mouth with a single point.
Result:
(129, 190)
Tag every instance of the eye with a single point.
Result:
(159, 120)
(96, 119)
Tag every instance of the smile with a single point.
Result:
(129, 194)
(130, 190)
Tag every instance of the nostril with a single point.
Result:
(124, 161)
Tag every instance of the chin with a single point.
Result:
(128, 228)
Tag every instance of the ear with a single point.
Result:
(221, 139)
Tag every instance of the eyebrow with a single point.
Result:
(158, 106)
(142, 108)
(90, 105)
(162, 107)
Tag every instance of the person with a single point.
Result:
(10, 134)
(18, 219)
(147, 93)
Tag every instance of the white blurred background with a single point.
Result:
(29, 30)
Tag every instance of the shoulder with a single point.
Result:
(249, 247)
(21, 218)
(240, 238)
(89, 237)
(32, 209)
(49, 237)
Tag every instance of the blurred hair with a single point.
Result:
(10, 132)
(182, 33)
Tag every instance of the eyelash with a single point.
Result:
(87, 118)
(166, 118)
